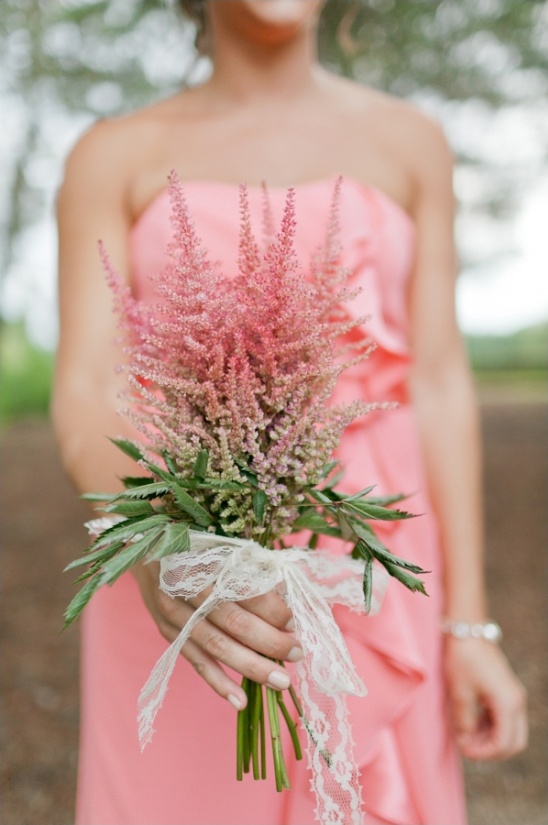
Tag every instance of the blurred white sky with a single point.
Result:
(513, 292)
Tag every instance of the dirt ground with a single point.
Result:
(41, 532)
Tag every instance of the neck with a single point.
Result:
(255, 70)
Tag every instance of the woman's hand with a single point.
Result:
(488, 702)
(240, 635)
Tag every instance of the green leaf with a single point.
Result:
(381, 552)
(384, 501)
(248, 474)
(347, 531)
(129, 448)
(190, 506)
(359, 528)
(156, 470)
(135, 481)
(250, 477)
(323, 497)
(376, 513)
(97, 557)
(81, 599)
(220, 484)
(207, 484)
(98, 496)
(392, 564)
(260, 500)
(367, 580)
(200, 465)
(329, 467)
(170, 463)
(128, 529)
(312, 520)
(154, 490)
(355, 496)
(174, 539)
(131, 508)
(365, 533)
(128, 557)
(411, 582)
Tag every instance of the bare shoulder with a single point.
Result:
(408, 143)
(96, 167)
(104, 160)
(421, 140)
(391, 143)
(418, 141)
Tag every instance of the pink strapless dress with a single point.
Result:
(404, 746)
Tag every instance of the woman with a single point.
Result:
(270, 112)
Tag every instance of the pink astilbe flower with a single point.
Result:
(244, 367)
(232, 382)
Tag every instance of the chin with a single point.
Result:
(282, 12)
(273, 20)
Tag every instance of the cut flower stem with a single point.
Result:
(251, 732)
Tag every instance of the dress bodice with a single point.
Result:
(377, 238)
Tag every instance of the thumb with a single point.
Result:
(464, 711)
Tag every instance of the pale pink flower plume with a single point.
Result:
(246, 366)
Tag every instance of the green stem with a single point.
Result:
(247, 685)
(255, 714)
(282, 779)
(243, 752)
(293, 732)
(262, 735)
(326, 756)
(296, 702)
(240, 744)
(251, 733)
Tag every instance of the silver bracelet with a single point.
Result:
(489, 630)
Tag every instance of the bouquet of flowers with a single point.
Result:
(231, 380)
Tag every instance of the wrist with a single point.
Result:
(467, 605)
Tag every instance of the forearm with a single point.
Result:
(450, 432)
(83, 424)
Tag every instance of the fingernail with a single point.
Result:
(277, 679)
(234, 701)
(290, 625)
(295, 654)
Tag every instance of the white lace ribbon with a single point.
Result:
(238, 569)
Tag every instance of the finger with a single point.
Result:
(227, 650)
(271, 607)
(214, 675)
(511, 717)
(255, 633)
(219, 645)
(464, 712)
(523, 732)
(171, 615)
(520, 715)
(501, 732)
